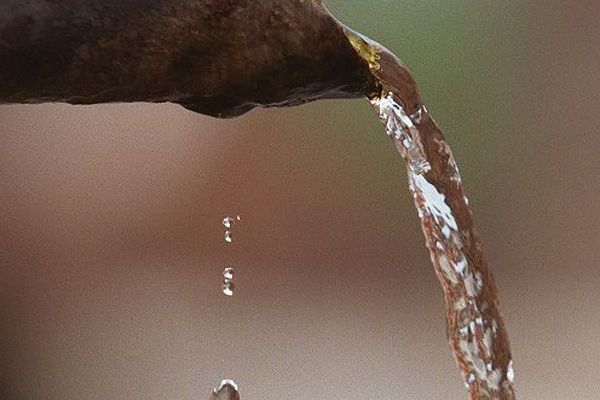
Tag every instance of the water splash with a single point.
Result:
(448, 245)
(228, 237)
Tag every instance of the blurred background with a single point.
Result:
(112, 250)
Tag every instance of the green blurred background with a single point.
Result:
(112, 246)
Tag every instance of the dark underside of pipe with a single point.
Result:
(216, 57)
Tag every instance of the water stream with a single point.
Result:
(474, 326)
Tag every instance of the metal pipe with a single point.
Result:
(216, 57)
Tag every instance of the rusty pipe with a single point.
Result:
(215, 57)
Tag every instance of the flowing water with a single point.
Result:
(474, 326)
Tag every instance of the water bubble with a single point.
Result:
(228, 236)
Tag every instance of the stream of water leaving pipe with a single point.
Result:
(475, 328)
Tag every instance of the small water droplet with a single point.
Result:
(228, 285)
(227, 389)
(238, 218)
(227, 222)
(225, 382)
(228, 273)
(228, 288)
(228, 236)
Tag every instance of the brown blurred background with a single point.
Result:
(111, 243)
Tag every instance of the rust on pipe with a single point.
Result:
(216, 57)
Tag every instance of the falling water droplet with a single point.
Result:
(226, 382)
(227, 222)
(228, 285)
(226, 390)
(228, 288)
(228, 273)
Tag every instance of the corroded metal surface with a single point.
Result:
(217, 57)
